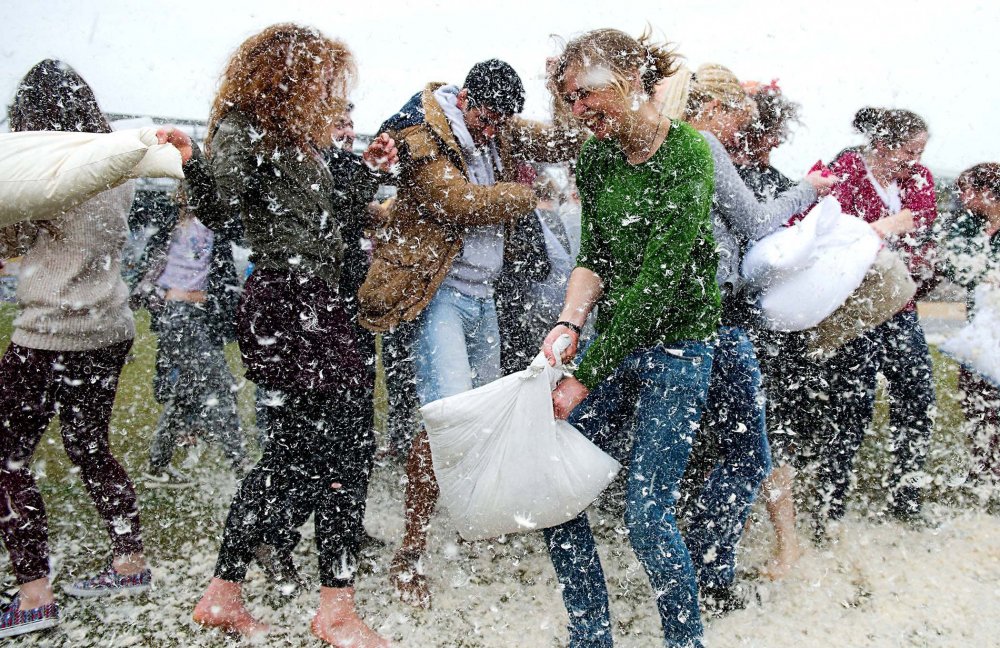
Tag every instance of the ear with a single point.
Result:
(462, 100)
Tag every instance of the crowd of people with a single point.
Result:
(482, 256)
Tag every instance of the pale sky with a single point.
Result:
(934, 57)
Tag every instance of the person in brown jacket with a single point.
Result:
(441, 248)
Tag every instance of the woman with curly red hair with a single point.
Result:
(271, 120)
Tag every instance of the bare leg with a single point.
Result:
(338, 624)
(781, 509)
(129, 564)
(421, 497)
(221, 606)
(36, 593)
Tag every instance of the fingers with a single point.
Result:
(382, 152)
(569, 353)
(551, 357)
(550, 339)
(176, 138)
(558, 406)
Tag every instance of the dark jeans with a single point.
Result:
(795, 387)
(896, 349)
(318, 459)
(734, 427)
(401, 387)
(79, 387)
(655, 398)
(981, 406)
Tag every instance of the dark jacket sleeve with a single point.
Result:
(225, 222)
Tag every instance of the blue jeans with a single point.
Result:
(735, 421)
(457, 346)
(654, 396)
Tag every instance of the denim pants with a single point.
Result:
(655, 396)
(457, 345)
(194, 384)
(898, 350)
(741, 458)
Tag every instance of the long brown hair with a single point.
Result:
(622, 54)
(292, 81)
(52, 96)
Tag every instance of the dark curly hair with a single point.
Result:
(890, 127)
(52, 96)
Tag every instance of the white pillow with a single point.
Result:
(825, 261)
(45, 173)
(977, 345)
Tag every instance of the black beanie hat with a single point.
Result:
(494, 84)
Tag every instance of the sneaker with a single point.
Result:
(168, 477)
(719, 601)
(371, 544)
(111, 582)
(15, 621)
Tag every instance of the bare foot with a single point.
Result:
(407, 576)
(782, 563)
(338, 624)
(348, 633)
(222, 607)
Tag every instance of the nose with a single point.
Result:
(578, 108)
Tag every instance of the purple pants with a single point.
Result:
(79, 387)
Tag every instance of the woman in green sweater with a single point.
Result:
(648, 261)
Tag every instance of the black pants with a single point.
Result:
(897, 350)
(79, 387)
(400, 382)
(318, 459)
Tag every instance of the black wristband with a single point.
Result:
(571, 326)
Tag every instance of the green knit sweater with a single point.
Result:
(648, 235)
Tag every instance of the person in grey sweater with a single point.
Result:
(734, 414)
(71, 338)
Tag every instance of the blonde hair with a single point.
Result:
(612, 57)
(291, 80)
(713, 82)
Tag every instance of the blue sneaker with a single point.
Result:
(15, 621)
(111, 582)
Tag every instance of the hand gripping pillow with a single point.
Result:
(505, 464)
(44, 173)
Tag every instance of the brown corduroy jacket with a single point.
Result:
(435, 200)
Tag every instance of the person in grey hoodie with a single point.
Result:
(735, 413)
(437, 258)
